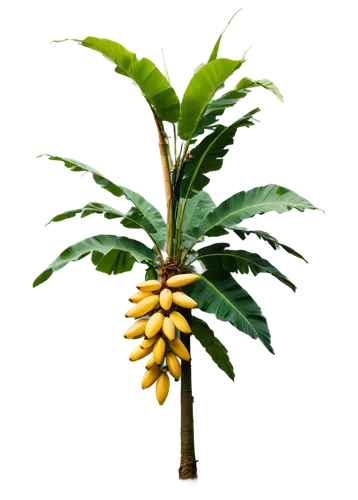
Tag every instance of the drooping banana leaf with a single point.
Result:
(110, 247)
(217, 107)
(216, 292)
(149, 212)
(156, 89)
(246, 204)
(89, 209)
(200, 91)
(218, 256)
(218, 352)
(273, 242)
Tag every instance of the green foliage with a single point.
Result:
(110, 247)
(212, 345)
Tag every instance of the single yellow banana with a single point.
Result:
(179, 349)
(137, 297)
(150, 363)
(150, 376)
(148, 342)
(173, 365)
(137, 330)
(179, 322)
(162, 388)
(166, 299)
(182, 280)
(139, 353)
(168, 328)
(154, 324)
(149, 286)
(183, 300)
(143, 307)
(159, 351)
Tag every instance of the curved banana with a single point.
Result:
(150, 376)
(179, 349)
(137, 297)
(162, 388)
(182, 280)
(137, 330)
(150, 363)
(154, 324)
(139, 353)
(159, 351)
(143, 307)
(166, 299)
(148, 342)
(173, 365)
(183, 300)
(179, 322)
(168, 328)
(149, 286)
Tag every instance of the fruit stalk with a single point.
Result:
(187, 468)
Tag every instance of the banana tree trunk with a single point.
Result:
(187, 462)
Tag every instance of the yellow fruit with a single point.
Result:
(165, 299)
(139, 353)
(137, 330)
(168, 328)
(179, 322)
(159, 351)
(150, 376)
(148, 342)
(137, 297)
(183, 300)
(149, 286)
(182, 280)
(154, 324)
(162, 388)
(173, 365)
(150, 363)
(143, 307)
(179, 349)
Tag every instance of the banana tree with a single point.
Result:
(162, 310)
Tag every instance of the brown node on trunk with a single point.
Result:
(170, 267)
(188, 468)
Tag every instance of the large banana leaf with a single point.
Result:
(217, 107)
(217, 256)
(197, 208)
(119, 254)
(212, 345)
(218, 293)
(200, 91)
(273, 242)
(210, 153)
(154, 86)
(154, 222)
(244, 205)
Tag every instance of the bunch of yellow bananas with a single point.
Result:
(156, 307)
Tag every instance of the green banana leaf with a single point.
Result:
(244, 205)
(241, 232)
(197, 207)
(214, 53)
(150, 213)
(246, 83)
(156, 89)
(200, 91)
(195, 187)
(218, 352)
(217, 256)
(103, 244)
(216, 292)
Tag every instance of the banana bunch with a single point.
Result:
(157, 320)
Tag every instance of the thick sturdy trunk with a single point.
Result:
(187, 462)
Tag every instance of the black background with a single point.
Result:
(86, 426)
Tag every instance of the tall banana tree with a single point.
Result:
(162, 310)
